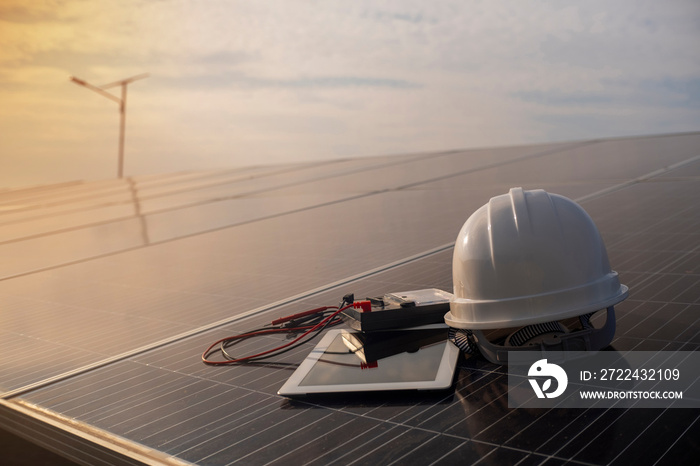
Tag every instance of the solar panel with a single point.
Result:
(112, 290)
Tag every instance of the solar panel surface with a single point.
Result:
(111, 290)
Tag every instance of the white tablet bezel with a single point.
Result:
(443, 378)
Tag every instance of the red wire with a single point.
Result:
(309, 329)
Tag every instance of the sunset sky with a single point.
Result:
(248, 82)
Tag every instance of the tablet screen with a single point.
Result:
(346, 361)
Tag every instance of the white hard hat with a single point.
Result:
(530, 258)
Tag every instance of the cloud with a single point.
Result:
(241, 81)
(563, 98)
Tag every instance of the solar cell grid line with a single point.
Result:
(641, 322)
(645, 177)
(676, 288)
(382, 454)
(224, 178)
(335, 441)
(672, 446)
(123, 422)
(592, 454)
(469, 387)
(672, 330)
(105, 188)
(385, 411)
(117, 205)
(497, 423)
(637, 233)
(296, 451)
(68, 358)
(607, 416)
(429, 412)
(511, 175)
(506, 456)
(38, 227)
(22, 191)
(666, 242)
(460, 454)
(262, 432)
(686, 266)
(366, 434)
(352, 453)
(187, 407)
(648, 279)
(693, 337)
(220, 433)
(26, 369)
(283, 442)
(497, 164)
(491, 411)
(98, 388)
(649, 262)
(643, 423)
(335, 168)
(432, 451)
(99, 409)
(503, 456)
(201, 420)
(661, 272)
(523, 437)
(585, 418)
(57, 193)
(50, 191)
(158, 179)
(511, 423)
(20, 376)
(427, 415)
(409, 415)
(426, 171)
(455, 424)
(111, 411)
(175, 442)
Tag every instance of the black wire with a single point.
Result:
(297, 344)
(292, 330)
(305, 319)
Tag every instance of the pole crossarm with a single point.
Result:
(96, 89)
(125, 81)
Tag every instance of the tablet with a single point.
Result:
(347, 361)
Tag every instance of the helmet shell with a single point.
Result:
(528, 257)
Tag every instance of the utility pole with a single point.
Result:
(122, 108)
